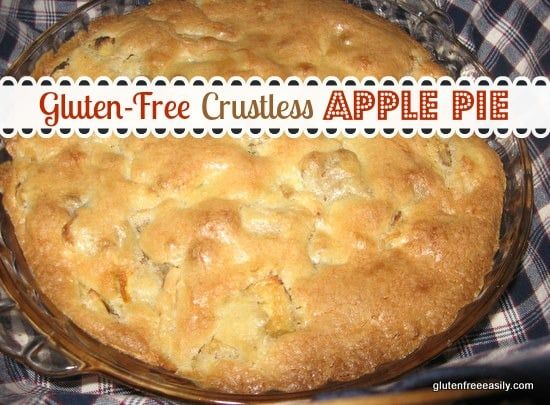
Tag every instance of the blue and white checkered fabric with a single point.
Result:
(510, 38)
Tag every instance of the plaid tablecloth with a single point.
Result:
(510, 38)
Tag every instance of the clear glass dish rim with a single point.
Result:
(179, 388)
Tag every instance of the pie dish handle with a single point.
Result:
(20, 337)
(21, 340)
(428, 11)
(424, 10)
(435, 30)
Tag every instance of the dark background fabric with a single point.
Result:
(510, 38)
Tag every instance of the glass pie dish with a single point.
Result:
(38, 334)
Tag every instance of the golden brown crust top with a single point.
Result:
(250, 265)
(241, 37)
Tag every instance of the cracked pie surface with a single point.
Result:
(250, 265)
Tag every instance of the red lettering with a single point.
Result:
(462, 101)
(499, 104)
(428, 104)
(387, 101)
(337, 106)
(363, 101)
